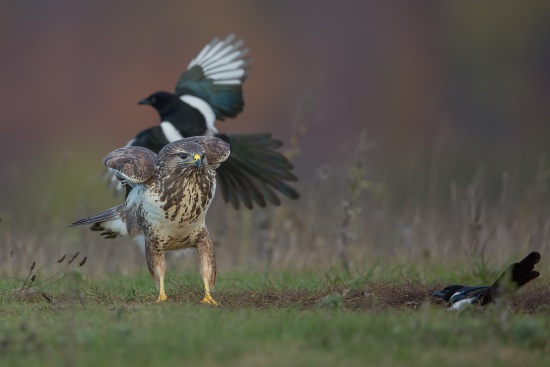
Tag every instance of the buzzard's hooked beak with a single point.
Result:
(439, 294)
(145, 101)
(197, 159)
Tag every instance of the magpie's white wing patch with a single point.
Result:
(223, 61)
(458, 305)
(170, 132)
(204, 108)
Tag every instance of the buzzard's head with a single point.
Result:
(194, 153)
(182, 156)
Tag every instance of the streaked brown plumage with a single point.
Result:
(168, 198)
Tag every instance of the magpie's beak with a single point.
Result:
(439, 294)
(197, 159)
(145, 101)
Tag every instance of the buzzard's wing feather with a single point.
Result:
(152, 138)
(105, 215)
(216, 149)
(132, 165)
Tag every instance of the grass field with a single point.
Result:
(266, 320)
(285, 295)
(282, 301)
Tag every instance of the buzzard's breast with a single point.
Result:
(173, 211)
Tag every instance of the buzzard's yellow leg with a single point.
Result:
(207, 265)
(157, 267)
(162, 295)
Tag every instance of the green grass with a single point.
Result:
(114, 321)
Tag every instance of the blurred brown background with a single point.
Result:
(453, 96)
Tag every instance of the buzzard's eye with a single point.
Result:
(153, 100)
(203, 156)
(183, 155)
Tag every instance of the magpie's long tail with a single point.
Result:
(515, 276)
(255, 171)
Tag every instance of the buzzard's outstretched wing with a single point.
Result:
(132, 165)
(216, 149)
(152, 138)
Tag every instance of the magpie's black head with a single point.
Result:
(164, 102)
(152, 138)
(446, 293)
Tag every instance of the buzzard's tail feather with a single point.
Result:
(97, 218)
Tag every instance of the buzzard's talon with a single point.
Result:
(162, 297)
(208, 300)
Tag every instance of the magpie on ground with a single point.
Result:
(209, 90)
(515, 276)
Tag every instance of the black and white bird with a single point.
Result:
(209, 90)
(515, 276)
(168, 197)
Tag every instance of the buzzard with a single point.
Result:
(165, 208)
(209, 90)
(515, 276)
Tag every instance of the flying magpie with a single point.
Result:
(515, 276)
(209, 90)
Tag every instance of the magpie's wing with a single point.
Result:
(217, 150)
(468, 292)
(132, 165)
(515, 276)
(216, 76)
(447, 292)
(466, 295)
(254, 171)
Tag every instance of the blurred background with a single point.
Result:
(418, 130)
